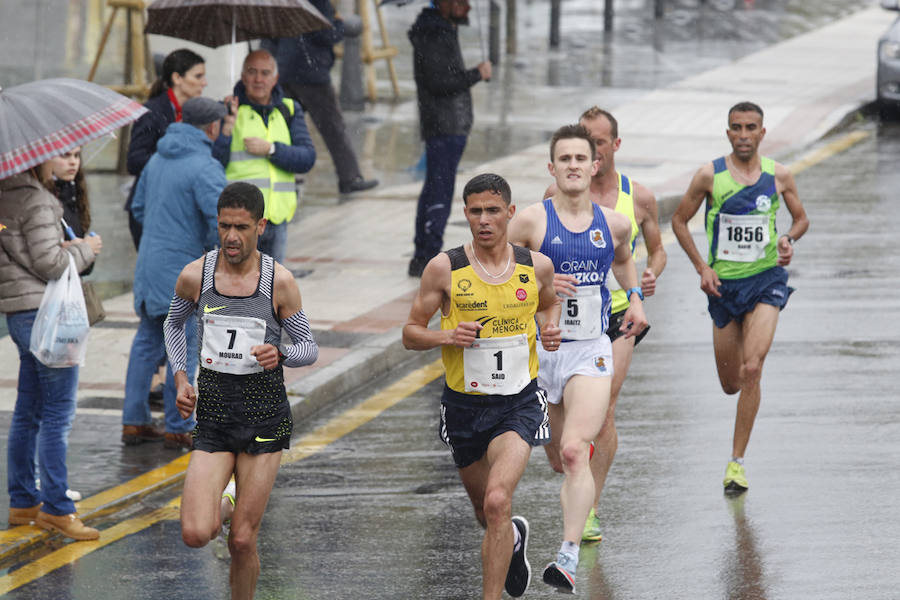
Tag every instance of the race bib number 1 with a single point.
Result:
(497, 365)
(227, 341)
(742, 238)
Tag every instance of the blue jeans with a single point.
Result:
(442, 156)
(147, 351)
(45, 407)
(273, 241)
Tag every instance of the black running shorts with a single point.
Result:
(470, 421)
(242, 413)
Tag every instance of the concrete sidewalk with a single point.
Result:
(352, 257)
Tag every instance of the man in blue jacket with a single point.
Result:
(175, 202)
(305, 65)
(445, 117)
(268, 145)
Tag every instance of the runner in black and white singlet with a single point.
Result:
(584, 241)
(245, 300)
(243, 407)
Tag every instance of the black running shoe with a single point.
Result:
(519, 574)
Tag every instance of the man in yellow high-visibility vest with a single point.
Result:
(267, 146)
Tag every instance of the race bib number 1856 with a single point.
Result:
(742, 238)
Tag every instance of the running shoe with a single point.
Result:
(561, 573)
(591, 528)
(220, 546)
(519, 574)
(735, 479)
(230, 491)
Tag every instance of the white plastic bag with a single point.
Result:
(60, 332)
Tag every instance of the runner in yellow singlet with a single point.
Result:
(744, 281)
(492, 411)
(611, 189)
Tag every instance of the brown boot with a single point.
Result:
(178, 440)
(68, 525)
(23, 516)
(138, 434)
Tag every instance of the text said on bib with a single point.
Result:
(497, 365)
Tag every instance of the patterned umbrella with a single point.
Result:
(46, 118)
(215, 23)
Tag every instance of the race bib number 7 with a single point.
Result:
(742, 238)
(227, 341)
(497, 365)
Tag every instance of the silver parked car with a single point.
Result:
(887, 89)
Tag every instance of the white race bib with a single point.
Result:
(227, 341)
(582, 314)
(742, 238)
(497, 365)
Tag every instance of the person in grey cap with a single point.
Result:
(175, 202)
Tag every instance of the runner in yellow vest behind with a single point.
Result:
(611, 189)
(268, 145)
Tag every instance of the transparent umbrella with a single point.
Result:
(46, 118)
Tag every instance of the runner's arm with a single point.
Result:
(184, 303)
(648, 221)
(784, 180)
(549, 306)
(303, 349)
(634, 321)
(433, 292)
(700, 187)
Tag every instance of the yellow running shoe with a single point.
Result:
(735, 479)
(591, 528)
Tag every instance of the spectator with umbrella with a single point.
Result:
(38, 121)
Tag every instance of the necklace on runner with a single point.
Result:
(488, 273)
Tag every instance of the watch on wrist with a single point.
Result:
(790, 239)
(634, 290)
(271, 149)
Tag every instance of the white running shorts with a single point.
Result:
(581, 357)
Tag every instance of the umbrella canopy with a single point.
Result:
(46, 118)
(215, 23)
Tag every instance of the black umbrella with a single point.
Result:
(215, 23)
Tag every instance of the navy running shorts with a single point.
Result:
(242, 413)
(740, 296)
(469, 422)
(615, 321)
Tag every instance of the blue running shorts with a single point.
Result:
(740, 296)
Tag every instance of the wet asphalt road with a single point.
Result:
(380, 514)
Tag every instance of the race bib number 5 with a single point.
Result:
(582, 314)
(743, 238)
(227, 341)
(497, 365)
